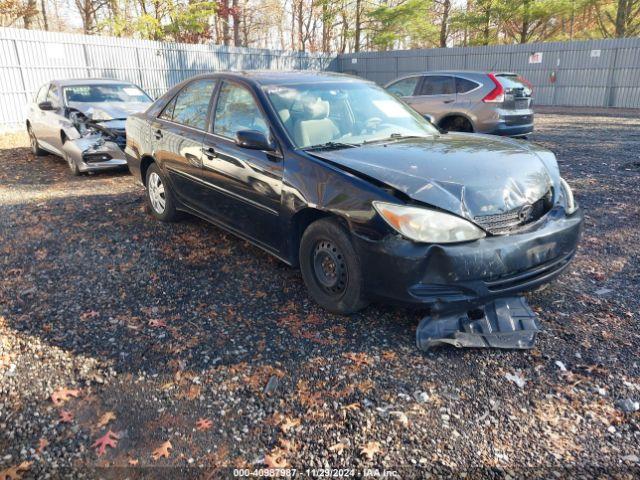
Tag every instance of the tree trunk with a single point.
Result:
(524, 30)
(444, 25)
(235, 14)
(45, 20)
(224, 15)
(621, 17)
(356, 46)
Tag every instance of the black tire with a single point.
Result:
(33, 142)
(457, 124)
(168, 213)
(73, 166)
(330, 267)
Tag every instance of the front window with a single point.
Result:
(237, 110)
(350, 113)
(108, 92)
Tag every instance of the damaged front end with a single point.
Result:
(94, 144)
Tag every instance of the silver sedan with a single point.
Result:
(83, 121)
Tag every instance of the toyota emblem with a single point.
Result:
(525, 212)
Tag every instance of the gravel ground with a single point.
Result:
(171, 333)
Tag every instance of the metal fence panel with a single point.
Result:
(30, 58)
(598, 73)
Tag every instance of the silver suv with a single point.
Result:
(498, 103)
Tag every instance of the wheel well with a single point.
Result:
(63, 137)
(301, 220)
(28, 124)
(446, 121)
(145, 163)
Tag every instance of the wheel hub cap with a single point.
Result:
(329, 267)
(156, 193)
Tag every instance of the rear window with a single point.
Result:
(512, 82)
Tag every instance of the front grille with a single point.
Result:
(510, 221)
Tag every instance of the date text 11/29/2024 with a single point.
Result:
(316, 473)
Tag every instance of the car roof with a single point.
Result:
(277, 77)
(470, 72)
(88, 81)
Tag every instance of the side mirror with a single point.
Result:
(253, 140)
(46, 106)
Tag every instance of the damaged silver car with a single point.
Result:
(83, 121)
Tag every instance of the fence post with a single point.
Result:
(610, 99)
(86, 59)
(139, 67)
(21, 70)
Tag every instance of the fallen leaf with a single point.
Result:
(65, 416)
(289, 423)
(337, 447)
(13, 473)
(109, 439)
(42, 444)
(276, 459)
(162, 450)
(352, 406)
(133, 461)
(370, 449)
(157, 323)
(359, 359)
(63, 394)
(105, 419)
(89, 314)
(203, 424)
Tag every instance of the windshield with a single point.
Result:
(344, 114)
(104, 93)
(511, 82)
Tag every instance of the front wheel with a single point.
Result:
(159, 195)
(330, 267)
(33, 143)
(73, 166)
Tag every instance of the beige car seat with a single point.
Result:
(313, 125)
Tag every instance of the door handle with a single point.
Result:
(158, 134)
(209, 152)
(448, 101)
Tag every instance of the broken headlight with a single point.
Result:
(570, 205)
(426, 225)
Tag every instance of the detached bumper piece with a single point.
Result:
(503, 323)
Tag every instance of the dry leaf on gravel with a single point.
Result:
(276, 459)
(289, 423)
(337, 447)
(63, 394)
(203, 424)
(65, 416)
(133, 461)
(162, 450)
(89, 314)
(15, 473)
(42, 444)
(109, 439)
(359, 359)
(105, 419)
(157, 323)
(370, 449)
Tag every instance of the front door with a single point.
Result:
(246, 183)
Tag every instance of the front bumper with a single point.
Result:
(92, 154)
(469, 274)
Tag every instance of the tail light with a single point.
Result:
(497, 94)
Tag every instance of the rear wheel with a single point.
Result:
(456, 124)
(33, 143)
(159, 195)
(330, 267)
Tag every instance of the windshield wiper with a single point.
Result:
(394, 136)
(330, 145)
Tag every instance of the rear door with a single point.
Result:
(177, 137)
(244, 185)
(434, 96)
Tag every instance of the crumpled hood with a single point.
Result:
(467, 174)
(102, 111)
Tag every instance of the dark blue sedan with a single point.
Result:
(334, 175)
